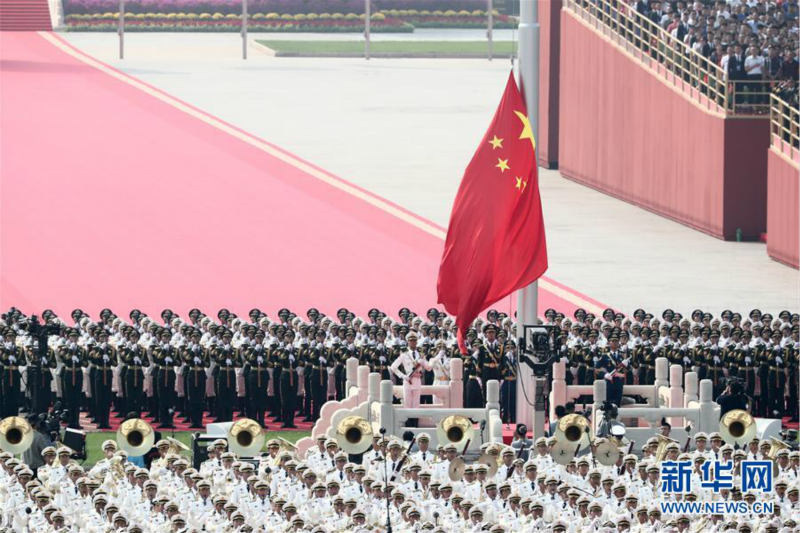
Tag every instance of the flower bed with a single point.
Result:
(218, 22)
(85, 15)
(292, 7)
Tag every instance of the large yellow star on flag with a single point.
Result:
(527, 131)
(496, 142)
(502, 164)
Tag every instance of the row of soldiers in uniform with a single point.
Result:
(321, 492)
(289, 364)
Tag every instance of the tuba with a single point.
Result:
(737, 427)
(354, 435)
(454, 429)
(16, 435)
(663, 442)
(245, 437)
(135, 437)
(776, 445)
(573, 430)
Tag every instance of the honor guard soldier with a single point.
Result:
(11, 358)
(257, 378)
(196, 361)
(508, 388)
(41, 360)
(318, 376)
(490, 355)
(473, 394)
(135, 360)
(103, 359)
(164, 356)
(73, 358)
(287, 359)
(338, 354)
(227, 360)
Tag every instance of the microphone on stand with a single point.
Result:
(386, 477)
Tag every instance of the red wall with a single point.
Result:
(549, 52)
(783, 218)
(631, 134)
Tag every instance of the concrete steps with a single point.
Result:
(27, 15)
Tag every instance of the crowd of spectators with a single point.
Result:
(754, 42)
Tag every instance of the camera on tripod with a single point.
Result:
(539, 348)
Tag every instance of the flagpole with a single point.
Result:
(527, 297)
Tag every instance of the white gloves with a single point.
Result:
(323, 361)
(12, 359)
(105, 358)
(137, 361)
(75, 359)
(168, 360)
(197, 360)
(228, 362)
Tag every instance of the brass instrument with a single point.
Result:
(354, 435)
(135, 437)
(737, 427)
(176, 446)
(776, 445)
(661, 451)
(573, 429)
(246, 437)
(16, 435)
(454, 429)
(287, 446)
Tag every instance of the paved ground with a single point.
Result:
(406, 128)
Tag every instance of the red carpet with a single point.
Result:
(180, 425)
(114, 197)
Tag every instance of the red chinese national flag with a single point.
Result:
(495, 241)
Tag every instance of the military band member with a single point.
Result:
(409, 368)
(196, 360)
(165, 357)
(228, 360)
(11, 358)
(103, 359)
(74, 360)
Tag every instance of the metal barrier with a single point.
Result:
(701, 79)
(784, 127)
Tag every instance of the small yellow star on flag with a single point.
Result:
(521, 184)
(496, 142)
(502, 164)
